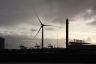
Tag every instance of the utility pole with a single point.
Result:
(67, 34)
(57, 39)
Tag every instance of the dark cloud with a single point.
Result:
(93, 15)
(59, 10)
(13, 12)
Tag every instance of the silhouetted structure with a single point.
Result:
(83, 47)
(50, 46)
(23, 47)
(80, 44)
(37, 46)
(2, 41)
(67, 22)
(77, 42)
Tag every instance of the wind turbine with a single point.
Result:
(42, 27)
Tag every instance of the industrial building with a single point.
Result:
(80, 44)
(2, 43)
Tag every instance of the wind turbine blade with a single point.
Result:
(39, 20)
(37, 32)
(37, 16)
(53, 26)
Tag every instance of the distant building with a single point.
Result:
(80, 44)
(2, 43)
(77, 42)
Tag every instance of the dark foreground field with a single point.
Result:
(48, 55)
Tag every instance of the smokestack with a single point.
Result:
(67, 28)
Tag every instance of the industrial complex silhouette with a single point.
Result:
(76, 49)
(69, 44)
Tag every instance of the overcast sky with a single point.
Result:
(19, 22)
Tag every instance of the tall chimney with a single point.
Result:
(67, 28)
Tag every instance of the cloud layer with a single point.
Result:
(17, 17)
(13, 12)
